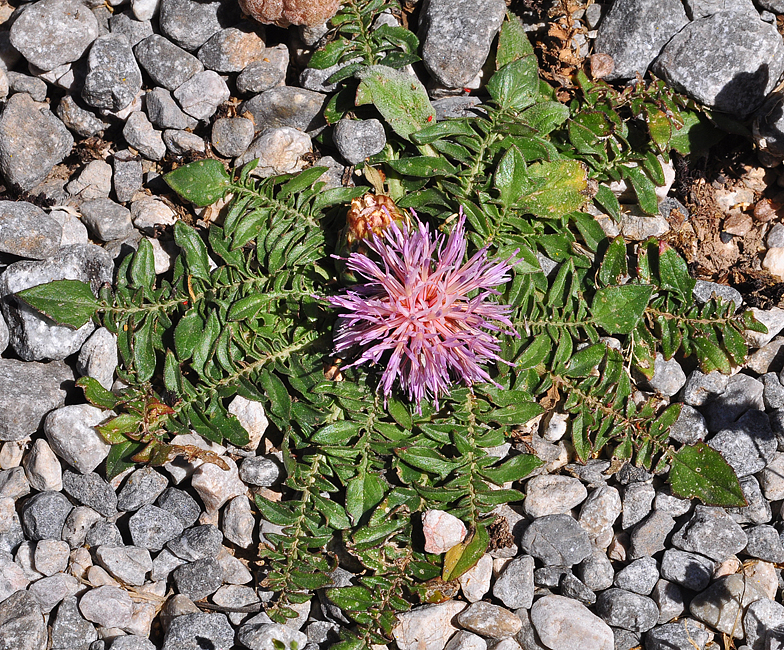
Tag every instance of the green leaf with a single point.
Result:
(399, 97)
(516, 85)
(545, 116)
(442, 130)
(120, 428)
(618, 309)
(423, 166)
(275, 513)
(585, 360)
(514, 414)
(96, 394)
(674, 274)
(711, 356)
(465, 555)
(329, 55)
(187, 335)
(511, 179)
(336, 433)
(144, 360)
(334, 514)
(614, 266)
(399, 413)
(196, 258)
(202, 182)
(559, 188)
(119, 458)
(607, 200)
(363, 493)
(513, 43)
(426, 459)
(699, 471)
(512, 469)
(643, 188)
(247, 307)
(66, 302)
(659, 127)
(277, 393)
(142, 269)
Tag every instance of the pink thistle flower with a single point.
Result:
(416, 306)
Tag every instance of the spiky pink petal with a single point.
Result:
(416, 307)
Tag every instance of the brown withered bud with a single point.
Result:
(290, 12)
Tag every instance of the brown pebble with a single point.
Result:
(601, 65)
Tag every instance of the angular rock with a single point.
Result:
(140, 135)
(515, 586)
(44, 514)
(742, 394)
(627, 610)
(27, 231)
(640, 576)
(668, 376)
(91, 490)
(133, 28)
(279, 151)
(456, 38)
(723, 604)
(596, 571)
(78, 522)
(239, 522)
(113, 76)
(71, 433)
(359, 139)
(167, 64)
(181, 143)
(265, 73)
(737, 83)
(442, 531)
(32, 335)
(637, 501)
(231, 136)
(556, 539)
(686, 634)
(50, 591)
(489, 621)
(106, 219)
(128, 564)
(142, 488)
(77, 119)
(285, 106)
(198, 579)
(746, 444)
(189, 23)
(192, 631)
(197, 543)
(216, 486)
(107, 606)
(232, 49)
(22, 626)
(475, 582)
(181, 504)
(98, 357)
(551, 494)
(711, 532)
(70, 629)
(263, 636)
(54, 32)
(648, 537)
(32, 140)
(201, 95)
(564, 624)
(690, 570)
(151, 527)
(164, 112)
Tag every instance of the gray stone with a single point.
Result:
(550, 576)
(94, 181)
(629, 473)
(359, 139)
(762, 616)
(637, 502)
(691, 570)
(627, 610)
(742, 394)
(14, 483)
(181, 504)
(128, 564)
(556, 539)
(32, 141)
(74, 231)
(163, 564)
(189, 23)
(317, 80)
(22, 627)
(703, 291)
(71, 433)
(596, 571)
(551, 494)
(515, 586)
(11, 532)
(27, 231)
(23, 83)
(701, 389)
(132, 642)
(91, 490)
(53, 32)
(44, 514)
(198, 579)
(723, 604)
(489, 621)
(113, 77)
(285, 106)
(263, 636)
(193, 631)
(564, 624)
(98, 357)
(669, 599)
(128, 176)
(78, 522)
(711, 532)
(12, 576)
(106, 219)
(737, 82)
(107, 606)
(757, 510)
(771, 478)
(139, 134)
(30, 391)
(457, 107)
(764, 543)
(231, 136)
(141, 488)
(164, 112)
(104, 533)
(70, 630)
(683, 635)
(265, 73)
(232, 49)
(197, 543)
(672, 505)
(666, 208)
(668, 376)
(634, 32)
(128, 25)
(181, 143)
(747, 444)
(648, 537)
(640, 576)
(168, 65)
(239, 522)
(773, 394)
(77, 119)
(52, 590)
(690, 426)
(51, 556)
(201, 95)
(572, 587)
(279, 151)
(456, 38)
(625, 640)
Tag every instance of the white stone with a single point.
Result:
(93, 182)
(553, 494)
(147, 213)
(566, 624)
(141, 619)
(252, 418)
(98, 357)
(80, 563)
(772, 478)
(12, 577)
(772, 318)
(24, 558)
(465, 640)
(556, 427)
(238, 521)
(600, 510)
(145, 9)
(51, 590)
(234, 571)
(42, 467)
(74, 231)
(163, 257)
(180, 468)
(442, 531)
(12, 452)
(51, 556)
(71, 433)
(428, 627)
(774, 262)
(475, 582)
(107, 607)
(280, 151)
(762, 575)
(216, 486)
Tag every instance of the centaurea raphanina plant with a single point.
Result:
(426, 308)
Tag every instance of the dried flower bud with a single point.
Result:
(290, 12)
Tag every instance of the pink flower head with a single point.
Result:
(416, 305)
